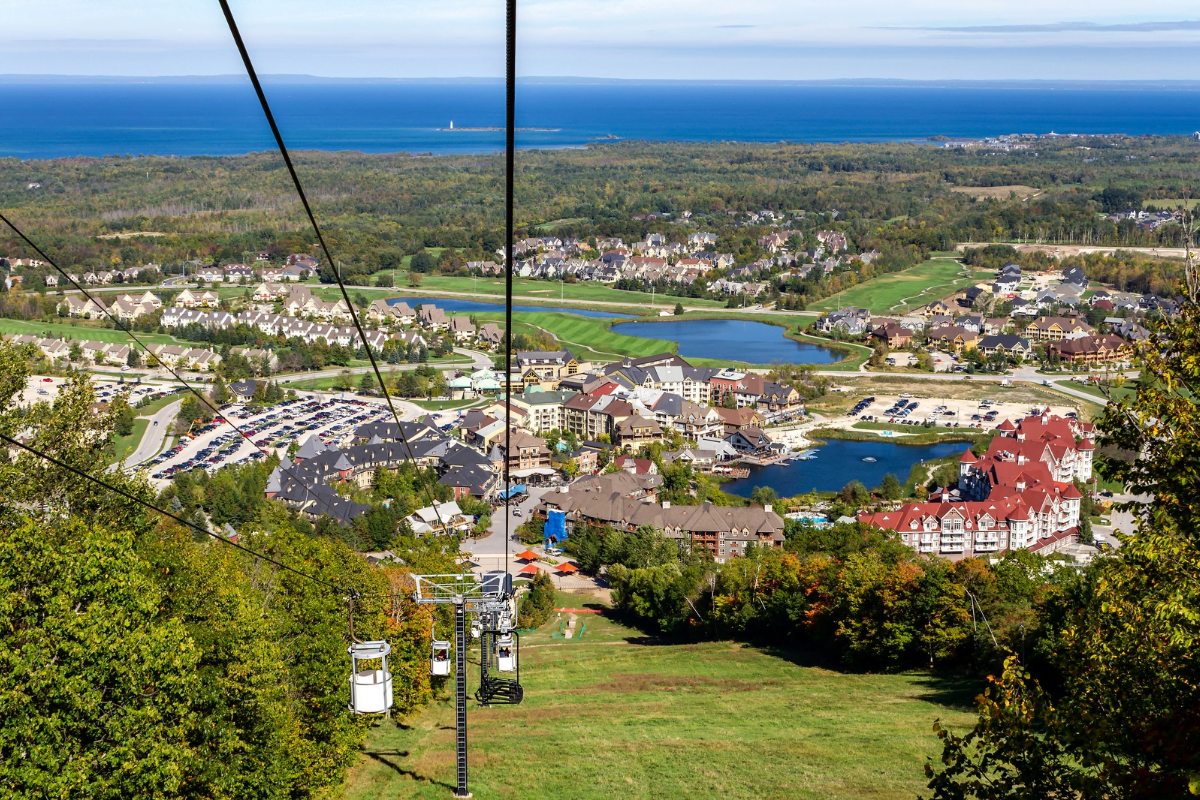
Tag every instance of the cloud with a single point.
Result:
(737, 26)
(1063, 27)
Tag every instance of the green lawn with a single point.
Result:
(154, 406)
(445, 405)
(899, 292)
(82, 330)
(620, 715)
(1117, 391)
(325, 384)
(551, 291)
(587, 337)
(124, 445)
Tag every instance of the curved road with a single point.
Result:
(156, 433)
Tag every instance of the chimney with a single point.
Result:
(767, 507)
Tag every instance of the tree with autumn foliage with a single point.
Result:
(1114, 710)
(136, 662)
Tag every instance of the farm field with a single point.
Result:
(82, 331)
(900, 292)
(619, 715)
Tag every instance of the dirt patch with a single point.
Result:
(997, 192)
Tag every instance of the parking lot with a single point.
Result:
(909, 409)
(44, 389)
(217, 444)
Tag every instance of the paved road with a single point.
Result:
(156, 432)
(488, 551)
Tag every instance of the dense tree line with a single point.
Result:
(378, 209)
(138, 662)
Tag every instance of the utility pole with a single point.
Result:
(489, 597)
(460, 692)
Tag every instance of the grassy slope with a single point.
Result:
(83, 331)
(615, 715)
(898, 292)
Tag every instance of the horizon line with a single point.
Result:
(47, 78)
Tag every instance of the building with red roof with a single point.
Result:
(1019, 494)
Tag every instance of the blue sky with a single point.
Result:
(747, 39)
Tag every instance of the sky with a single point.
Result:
(665, 39)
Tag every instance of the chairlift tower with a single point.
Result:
(490, 599)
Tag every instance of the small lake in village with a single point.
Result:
(731, 340)
(837, 463)
(455, 305)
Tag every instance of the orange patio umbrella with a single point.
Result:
(566, 568)
(528, 555)
(530, 569)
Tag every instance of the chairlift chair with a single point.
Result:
(370, 689)
(506, 654)
(439, 658)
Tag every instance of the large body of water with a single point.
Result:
(62, 120)
(731, 340)
(837, 463)
(456, 306)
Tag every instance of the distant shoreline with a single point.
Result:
(493, 129)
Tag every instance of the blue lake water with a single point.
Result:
(458, 306)
(94, 119)
(837, 463)
(731, 340)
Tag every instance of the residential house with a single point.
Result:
(1009, 344)
(1096, 349)
(895, 335)
(1055, 329)
(953, 337)
(462, 328)
(637, 430)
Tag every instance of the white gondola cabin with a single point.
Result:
(370, 688)
(439, 659)
(506, 654)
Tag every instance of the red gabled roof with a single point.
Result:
(1086, 444)
(1006, 426)
(967, 458)
(1071, 493)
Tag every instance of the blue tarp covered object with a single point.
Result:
(556, 525)
(513, 492)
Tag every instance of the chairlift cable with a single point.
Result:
(128, 496)
(124, 328)
(337, 273)
(510, 105)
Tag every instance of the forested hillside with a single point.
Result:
(378, 208)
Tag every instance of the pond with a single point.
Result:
(731, 340)
(838, 462)
(454, 305)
